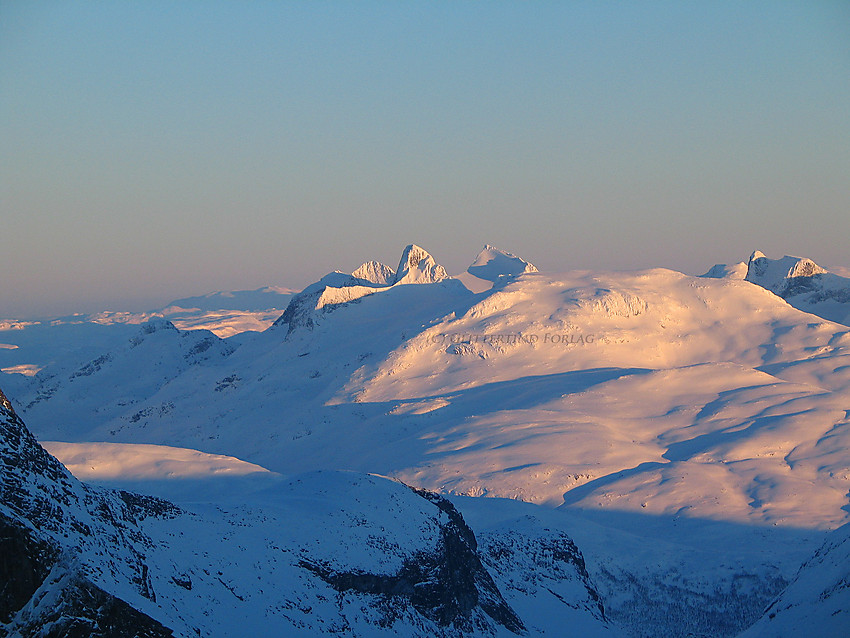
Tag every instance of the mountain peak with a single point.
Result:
(803, 284)
(777, 275)
(417, 266)
(375, 272)
(156, 324)
(491, 264)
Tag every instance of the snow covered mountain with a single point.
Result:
(799, 281)
(690, 434)
(26, 346)
(326, 553)
(493, 264)
(72, 554)
(590, 389)
(111, 383)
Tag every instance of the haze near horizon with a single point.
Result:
(157, 151)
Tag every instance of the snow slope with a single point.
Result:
(530, 552)
(325, 553)
(817, 602)
(652, 392)
(726, 271)
(114, 381)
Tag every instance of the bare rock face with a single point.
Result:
(25, 562)
(64, 604)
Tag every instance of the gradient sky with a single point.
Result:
(150, 151)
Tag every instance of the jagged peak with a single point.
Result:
(774, 274)
(418, 266)
(493, 264)
(375, 272)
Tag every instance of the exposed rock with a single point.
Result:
(25, 561)
(71, 606)
(47, 518)
(450, 587)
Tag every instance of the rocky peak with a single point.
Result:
(781, 276)
(803, 284)
(417, 266)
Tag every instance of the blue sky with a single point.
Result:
(158, 150)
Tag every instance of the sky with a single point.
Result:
(156, 150)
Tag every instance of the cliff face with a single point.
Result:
(48, 522)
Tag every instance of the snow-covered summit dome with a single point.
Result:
(491, 264)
